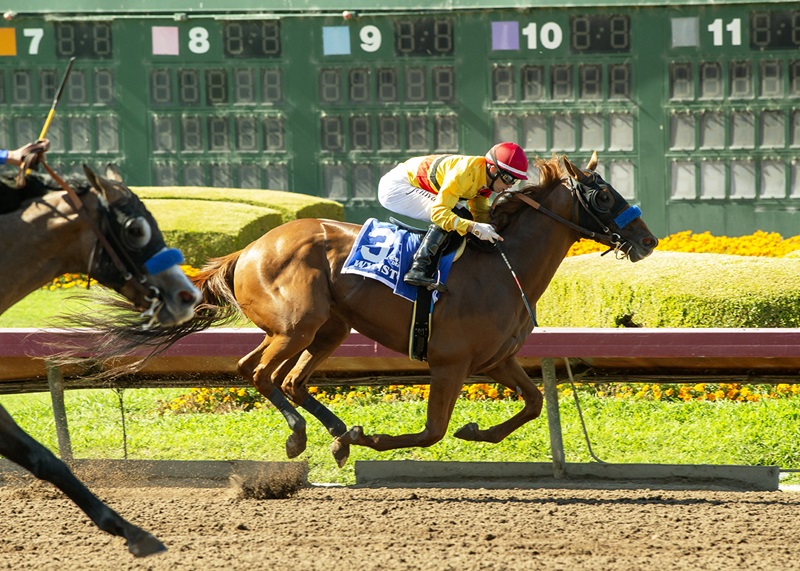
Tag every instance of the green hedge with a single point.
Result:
(291, 205)
(671, 289)
(209, 222)
(201, 233)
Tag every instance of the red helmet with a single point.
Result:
(510, 158)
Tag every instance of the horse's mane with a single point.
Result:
(551, 174)
(36, 186)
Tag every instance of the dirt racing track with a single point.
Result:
(207, 524)
(457, 523)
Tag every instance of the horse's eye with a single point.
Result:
(136, 232)
(602, 201)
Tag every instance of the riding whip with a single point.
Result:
(55, 100)
(25, 167)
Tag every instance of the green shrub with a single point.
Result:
(290, 205)
(211, 222)
(671, 289)
(203, 229)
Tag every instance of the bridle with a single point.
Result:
(585, 198)
(129, 271)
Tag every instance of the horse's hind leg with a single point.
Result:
(294, 375)
(260, 365)
(510, 374)
(445, 389)
(19, 447)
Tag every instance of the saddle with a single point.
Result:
(451, 244)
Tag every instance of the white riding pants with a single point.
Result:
(395, 193)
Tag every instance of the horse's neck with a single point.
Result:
(41, 242)
(537, 244)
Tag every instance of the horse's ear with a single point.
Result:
(572, 170)
(592, 162)
(108, 189)
(94, 179)
(112, 173)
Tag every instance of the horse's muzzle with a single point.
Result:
(639, 250)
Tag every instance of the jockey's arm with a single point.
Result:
(442, 213)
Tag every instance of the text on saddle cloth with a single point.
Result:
(384, 252)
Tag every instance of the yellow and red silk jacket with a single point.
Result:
(452, 178)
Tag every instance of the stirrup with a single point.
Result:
(426, 282)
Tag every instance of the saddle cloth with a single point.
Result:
(384, 252)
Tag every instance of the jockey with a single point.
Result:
(428, 188)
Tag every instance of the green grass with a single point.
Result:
(633, 431)
(763, 433)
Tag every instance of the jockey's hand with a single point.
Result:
(30, 153)
(485, 232)
(33, 152)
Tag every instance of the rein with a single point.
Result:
(607, 236)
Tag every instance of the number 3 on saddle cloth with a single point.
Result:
(384, 252)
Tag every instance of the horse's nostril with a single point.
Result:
(187, 296)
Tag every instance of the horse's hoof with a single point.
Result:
(145, 544)
(341, 446)
(468, 432)
(296, 444)
(341, 452)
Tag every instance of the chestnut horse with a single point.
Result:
(290, 283)
(104, 230)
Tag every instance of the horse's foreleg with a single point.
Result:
(21, 448)
(441, 401)
(510, 374)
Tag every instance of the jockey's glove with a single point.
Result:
(485, 231)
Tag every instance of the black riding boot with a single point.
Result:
(424, 266)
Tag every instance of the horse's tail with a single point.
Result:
(215, 281)
(119, 332)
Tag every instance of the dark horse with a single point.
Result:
(289, 283)
(104, 230)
